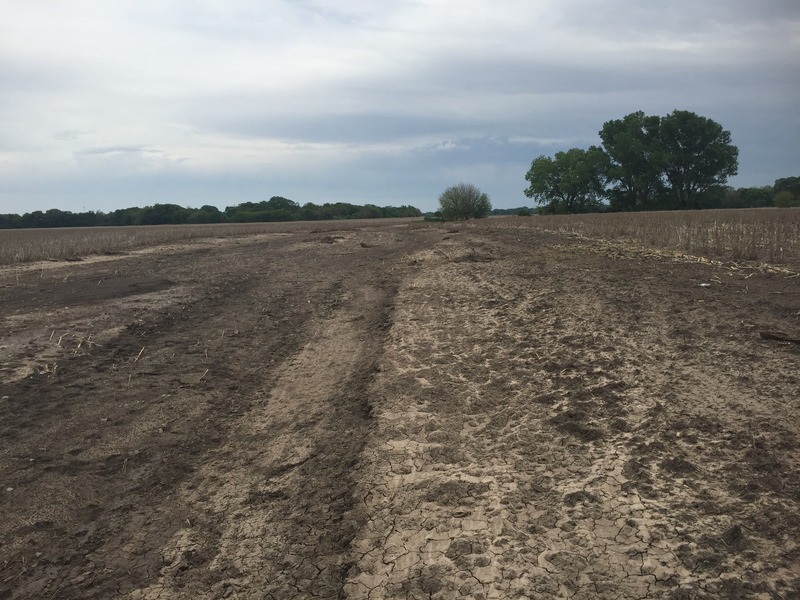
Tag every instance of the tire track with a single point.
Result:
(543, 433)
(278, 491)
(220, 460)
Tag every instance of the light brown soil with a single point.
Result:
(398, 413)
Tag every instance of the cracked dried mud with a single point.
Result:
(398, 412)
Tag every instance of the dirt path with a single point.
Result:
(187, 425)
(398, 413)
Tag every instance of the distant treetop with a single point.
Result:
(276, 208)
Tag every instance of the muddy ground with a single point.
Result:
(394, 412)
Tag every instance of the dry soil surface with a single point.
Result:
(390, 412)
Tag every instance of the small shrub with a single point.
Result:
(464, 201)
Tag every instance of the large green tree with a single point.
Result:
(571, 182)
(698, 154)
(636, 161)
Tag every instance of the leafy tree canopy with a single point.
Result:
(785, 199)
(646, 162)
(788, 184)
(281, 203)
(276, 208)
(787, 192)
(464, 201)
(572, 182)
(636, 160)
(698, 156)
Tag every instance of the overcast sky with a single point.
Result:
(109, 104)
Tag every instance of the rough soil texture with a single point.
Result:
(398, 413)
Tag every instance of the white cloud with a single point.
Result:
(314, 88)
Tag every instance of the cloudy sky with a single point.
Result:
(109, 104)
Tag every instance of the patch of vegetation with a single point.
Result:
(464, 201)
(522, 211)
(646, 162)
(276, 209)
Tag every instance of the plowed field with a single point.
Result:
(390, 412)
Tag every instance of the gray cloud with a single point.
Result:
(220, 102)
(117, 150)
(68, 135)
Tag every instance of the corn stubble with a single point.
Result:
(73, 243)
(770, 235)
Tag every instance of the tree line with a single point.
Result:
(646, 162)
(276, 208)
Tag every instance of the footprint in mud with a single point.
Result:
(456, 493)
(576, 423)
(446, 454)
(579, 497)
(678, 466)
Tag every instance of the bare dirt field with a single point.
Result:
(399, 412)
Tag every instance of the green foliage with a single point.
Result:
(753, 197)
(572, 182)
(509, 211)
(206, 214)
(786, 192)
(785, 199)
(161, 214)
(281, 203)
(698, 156)
(369, 211)
(464, 201)
(647, 162)
(524, 211)
(788, 184)
(276, 208)
(636, 161)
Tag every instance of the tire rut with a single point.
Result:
(158, 472)
(277, 496)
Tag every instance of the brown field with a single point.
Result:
(523, 408)
(769, 235)
(27, 245)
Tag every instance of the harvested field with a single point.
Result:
(754, 234)
(75, 243)
(398, 412)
